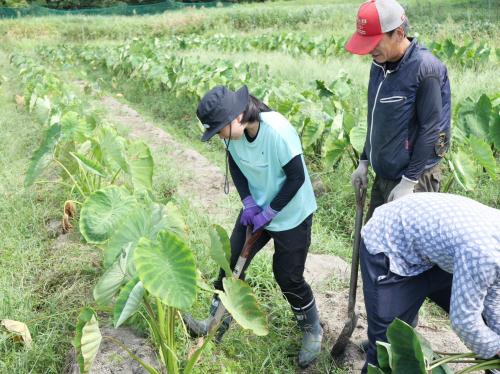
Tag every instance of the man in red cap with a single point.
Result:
(409, 106)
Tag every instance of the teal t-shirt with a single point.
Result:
(262, 161)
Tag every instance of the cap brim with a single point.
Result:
(211, 132)
(362, 45)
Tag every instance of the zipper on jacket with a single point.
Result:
(386, 73)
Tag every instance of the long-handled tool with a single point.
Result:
(238, 268)
(352, 320)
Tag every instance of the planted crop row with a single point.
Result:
(88, 152)
(470, 55)
(325, 115)
(328, 118)
(149, 268)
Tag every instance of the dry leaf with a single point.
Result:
(119, 95)
(20, 101)
(70, 208)
(19, 329)
(194, 348)
(66, 224)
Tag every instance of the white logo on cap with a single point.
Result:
(207, 126)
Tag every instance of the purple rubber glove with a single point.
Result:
(263, 218)
(250, 210)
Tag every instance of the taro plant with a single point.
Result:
(469, 55)
(88, 152)
(150, 271)
(476, 141)
(407, 352)
(347, 134)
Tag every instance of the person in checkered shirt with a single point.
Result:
(439, 246)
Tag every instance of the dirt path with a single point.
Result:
(203, 182)
(320, 269)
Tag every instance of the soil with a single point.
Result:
(206, 195)
(320, 268)
(114, 360)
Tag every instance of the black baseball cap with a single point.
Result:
(219, 107)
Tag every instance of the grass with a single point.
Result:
(464, 19)
(44, 282)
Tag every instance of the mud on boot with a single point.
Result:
(308, 322)
(198, 328)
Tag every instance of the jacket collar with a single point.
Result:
(409, 51)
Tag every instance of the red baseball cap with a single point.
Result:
(375, 17)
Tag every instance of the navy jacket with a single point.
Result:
(408, 125)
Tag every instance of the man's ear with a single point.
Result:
(401, 33)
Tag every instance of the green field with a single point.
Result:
(161, 65)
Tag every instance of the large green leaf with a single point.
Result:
(111, 281)
(333, 149)
(240, 301)
(167, 269)
(141, 165)
(145, 222)
(407, 355)
(75, 127)
(357, 137)
(42, 109)
(384, 357)
(484, 156)
(112, 147)
(473, 117)
(43, 155)
(483, 110)
(175, 221)
(312, 131)
(429, 356)
(102, 212)
(348, 122)
(87, 339)
(374, 370)
(89, 165)
(220, 249)
(323, 89)
(128, 302)
(464, 170)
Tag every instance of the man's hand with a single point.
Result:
(263, 218)
(360, 176)
(250, 209)
(403, 188)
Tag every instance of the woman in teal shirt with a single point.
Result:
(267, 166)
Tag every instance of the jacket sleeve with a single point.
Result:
(429, 112)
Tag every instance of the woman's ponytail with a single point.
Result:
(253, 110)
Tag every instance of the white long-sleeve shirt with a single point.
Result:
(462, 237)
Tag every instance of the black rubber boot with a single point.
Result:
(313, 335)
(198, 328)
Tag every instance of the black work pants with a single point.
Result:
(389, 296)
(290, 252)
